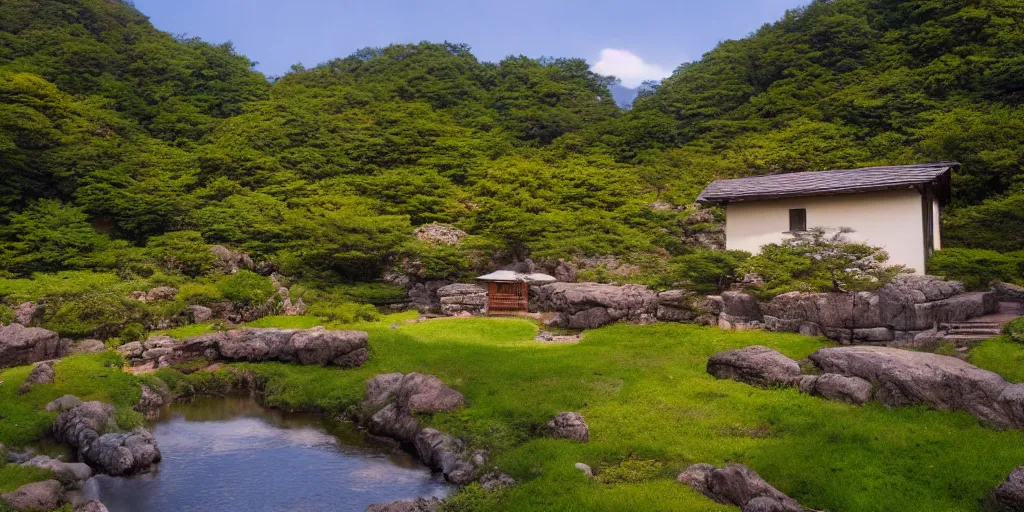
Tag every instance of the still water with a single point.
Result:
(231, 455)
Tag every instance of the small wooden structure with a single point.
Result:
(508, 292)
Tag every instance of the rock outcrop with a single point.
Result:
(316, 346)
(20, 345)
(35, 497)
(737, 485)
(591, 305)
(388, 409)
(898, 311)
(906, 378)
(41, 373)
(569, 425)
(158, 294)
(462, 298)
(1009, 496)
(87, 347)
(676, 306)
(739, 311)
(423, 296)
(64, 403)
(1006, 292)
(757, 365)
(832, 386)
(439, 234)
(416, 505)
(27, 313)
(228, 261)
(124, 453)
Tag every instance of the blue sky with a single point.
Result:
(632, 39)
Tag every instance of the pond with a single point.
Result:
(231, 454)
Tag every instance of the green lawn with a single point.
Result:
(649, 402)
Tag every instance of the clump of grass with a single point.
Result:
(1000, 355)
(630, 470)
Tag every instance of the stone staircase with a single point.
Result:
(981, 328)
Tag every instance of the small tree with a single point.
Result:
(819, 261)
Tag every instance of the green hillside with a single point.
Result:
(114, 135)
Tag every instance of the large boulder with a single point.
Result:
(756, 365)
(676, 306)
(27, 313)
(316, 346)
(569, 425)
(76, 471)
(591, 305)
(35, 497)
(1006, 292)
(423, 296)
(462, 298)
(837, 387)
(91, 506)
(909, 304)
(228, 261)
(87, 347)
(1009, 496)
(20, 345)
(64, 403)
(83, 427)
(905, 378)
(388, 406)
(737, 485)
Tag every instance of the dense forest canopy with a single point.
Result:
(114, 135)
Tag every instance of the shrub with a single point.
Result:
(976, 268)
(1015, 330)
(6, 314)
(133, 332)
(97, 314)
(182, 251)
(814, 261)
(437, 261)
(199, 293)
(345, 313)
(708, 271)
(372, 293)
(246, 287)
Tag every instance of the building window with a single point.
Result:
(797, 220)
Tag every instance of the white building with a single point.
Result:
(896, 208)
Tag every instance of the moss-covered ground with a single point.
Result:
(651, 407)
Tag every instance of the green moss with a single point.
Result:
(199, 293)
(246, 287)
(188, 331)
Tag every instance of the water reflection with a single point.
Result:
(233, 455)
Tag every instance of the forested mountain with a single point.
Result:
(114, 135)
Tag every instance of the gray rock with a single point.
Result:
(1006, 292)
(1009, 496)
(64, 403)
(198, 314)
(416, 505)
(569, 425)
(316, 346)
(112, 453)
(741, 305)
(756, 365)
(88, 347)
(837, 387)
(228, 261)
(737, 485)
(458, 298)
(132, 349)
(20, 345)
(42, 373)
(440, 234)
(496, 480)
(71, 470)
(27, 313)
(388, 406)
(585, 469)
(911, 378)
(37, 497)
(91, 506)
(150, 401)
(591, 305)
(423, 296)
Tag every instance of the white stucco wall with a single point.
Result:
(891, 219)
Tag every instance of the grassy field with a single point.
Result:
(652, 410)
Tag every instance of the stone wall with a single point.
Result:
(462, 299)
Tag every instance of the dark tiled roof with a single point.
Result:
(840, 181)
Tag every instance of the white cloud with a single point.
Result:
(628, 67)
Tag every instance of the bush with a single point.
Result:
(6, 315)
(372, 293)
(199, 293)
(182, 251)
(133, 332)
(98, 314)
(437, 261)
(814, 261)
(976, 268)
(1015, 330)
(246, 287)
(345, 313)
(708, 271)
